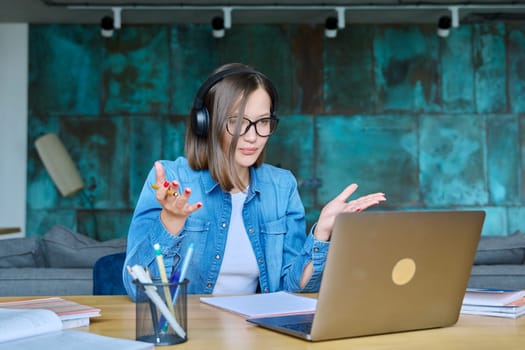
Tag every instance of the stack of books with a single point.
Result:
(492, 302)
(71, 314)
(31, 324)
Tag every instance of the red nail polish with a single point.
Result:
(187, 191)
(166, 183)
(199, 205)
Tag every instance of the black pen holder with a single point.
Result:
(162, 312)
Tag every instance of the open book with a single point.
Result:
(30, 329)
(71, 314)
(265, 304)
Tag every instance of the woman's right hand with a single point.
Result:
(340, 204)
(175, 206)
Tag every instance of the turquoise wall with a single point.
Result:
(434, 123)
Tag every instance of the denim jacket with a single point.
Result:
(273, 216)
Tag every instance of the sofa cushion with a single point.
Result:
(21, 252)
(501, 250)
(65, 248)
(497, 276)
(45, 281)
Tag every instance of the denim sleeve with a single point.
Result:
(300, 249)
(145, 230)
(317, 251)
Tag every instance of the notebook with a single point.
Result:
(390, 272)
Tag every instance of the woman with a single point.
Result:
(244, 218)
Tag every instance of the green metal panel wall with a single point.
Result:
(434, 123)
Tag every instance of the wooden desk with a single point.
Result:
(211, 328)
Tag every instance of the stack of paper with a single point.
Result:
(490, 302)
(70, 313)
(266, 304)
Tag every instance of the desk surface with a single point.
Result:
(211, 328)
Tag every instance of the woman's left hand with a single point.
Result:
(338, 205)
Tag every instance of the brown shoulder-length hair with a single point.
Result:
(230, 93)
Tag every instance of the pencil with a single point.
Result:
(163, 277)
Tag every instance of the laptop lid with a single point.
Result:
(394, 271)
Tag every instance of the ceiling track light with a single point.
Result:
(416, 6)
(486, 9)
(333, 24)
(217, 27)
(107, 27)
(109, 24)
(444, 24)
(330, 27)
(220, 24)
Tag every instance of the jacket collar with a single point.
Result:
(210, 184)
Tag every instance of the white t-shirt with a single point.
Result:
(239, 271)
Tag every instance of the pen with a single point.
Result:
(174, 278)
(184, 269)
(163, 276)
(182, 275)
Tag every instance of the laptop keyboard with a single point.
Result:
(303, 327)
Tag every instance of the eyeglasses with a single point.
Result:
(264, 127)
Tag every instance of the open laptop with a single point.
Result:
(390, 272)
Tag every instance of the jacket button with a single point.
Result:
(266, 290)
(223, 225)
(217, 256)
(251, 230)
(316, 249)
(209, 285)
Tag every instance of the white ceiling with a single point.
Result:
(287, 11)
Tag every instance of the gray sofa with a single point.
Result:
(59, 263)
(499, 262)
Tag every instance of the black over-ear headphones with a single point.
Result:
(200, 117)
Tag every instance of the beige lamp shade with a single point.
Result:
(59, 164)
